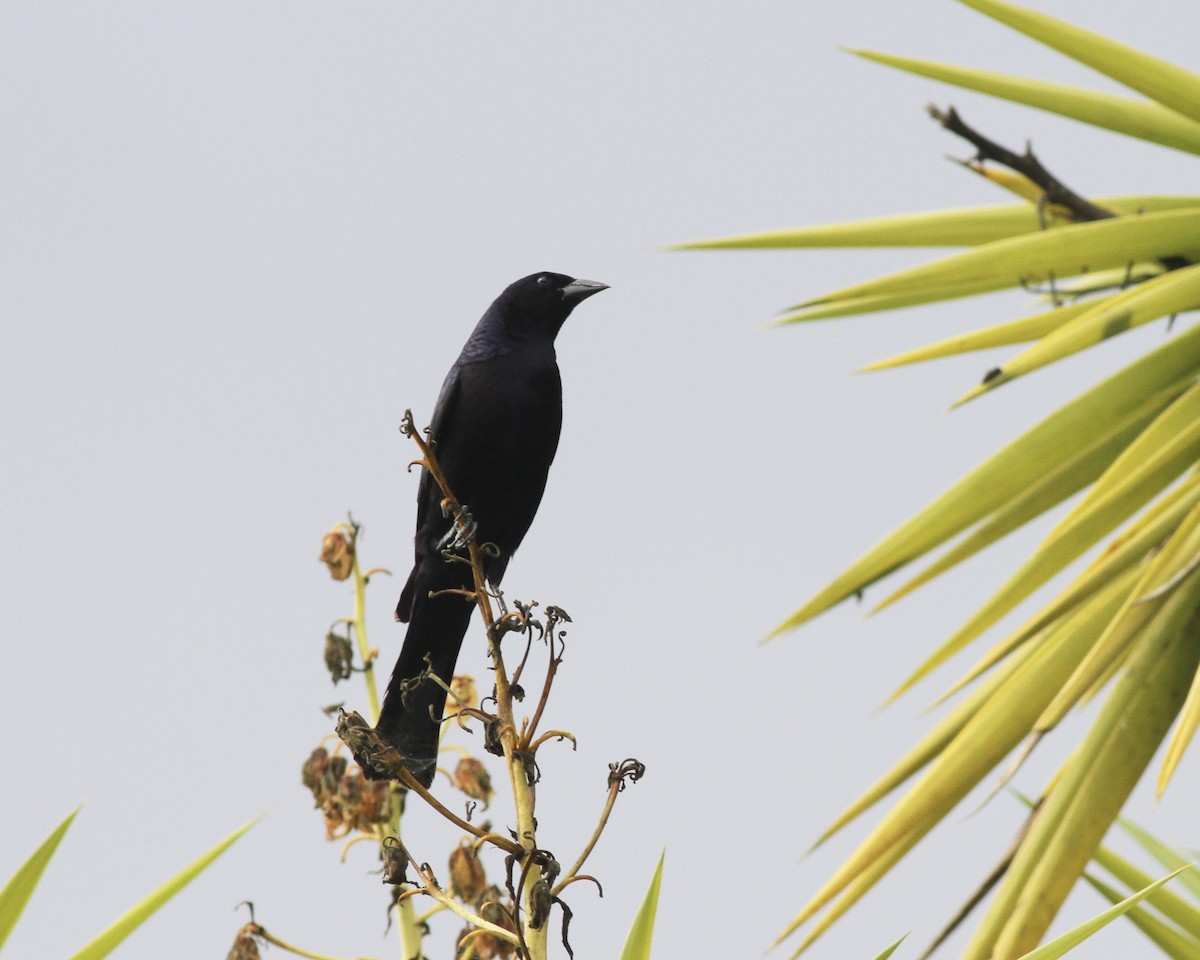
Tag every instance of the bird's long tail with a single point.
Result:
(436, 629)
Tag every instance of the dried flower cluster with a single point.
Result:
(345, 798)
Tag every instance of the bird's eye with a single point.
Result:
(544, 280)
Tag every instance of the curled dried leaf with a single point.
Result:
(339, 656)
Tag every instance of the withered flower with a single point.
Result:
(463, 694)
(337, 554)
(540, 901)
(245, 946)
(374, 805)
(346, 799)
(395, 862)
(339, 655)
(473, 779)
(350, 791)
(335, 819)
(466, 872)
(310, 773)
(331, 776)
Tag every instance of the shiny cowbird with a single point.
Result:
(495, 429)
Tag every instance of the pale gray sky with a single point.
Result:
(239, 239)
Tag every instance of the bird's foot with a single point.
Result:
(461, 532)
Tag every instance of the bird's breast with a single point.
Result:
(500, 464)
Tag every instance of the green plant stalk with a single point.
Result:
(406, 917)
(523, 797)
(291, 948)
(406, 912)
(360, 634)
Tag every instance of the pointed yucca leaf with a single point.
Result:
(1134, 118)
(124, 925)
(852, 884)
(1164, 296)
(1134, 205)
(1010, 471)
(997, 726)
(1117, 564)
(884, 954)
(1136, 619)
(1128, 907)
(1165, 854)
(1004, 334)
(854, 892)
(1062, 479)
(637, 944)
(1089, 618)
(1170, 85)
(1172, 943)
(1087, 527)
(1051, 558)
(958, 227)
(929, 746)
(960, 639)
(1105, 676)
(1033, 258)
(1189, 719)
(961, 227)
(1164, 450)
(879, 304)
(20, 886)
(1172, 906)
(1094, 785)
(1052, 214)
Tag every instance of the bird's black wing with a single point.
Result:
(429, 495)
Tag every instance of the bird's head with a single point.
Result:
(539, 303)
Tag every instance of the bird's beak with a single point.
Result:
(578, 290)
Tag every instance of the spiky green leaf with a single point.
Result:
(140, 912)
(637, 944)
(20, 886)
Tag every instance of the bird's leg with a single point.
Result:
(462, 531)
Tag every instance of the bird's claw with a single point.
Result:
(461, 532)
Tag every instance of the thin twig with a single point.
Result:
(614, 787)
(1053, 190)
(432, 889)
(984, 888)
(502, 842)
(551, 670)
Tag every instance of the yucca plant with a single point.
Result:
(1127, 624)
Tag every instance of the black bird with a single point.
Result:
(495, 428)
